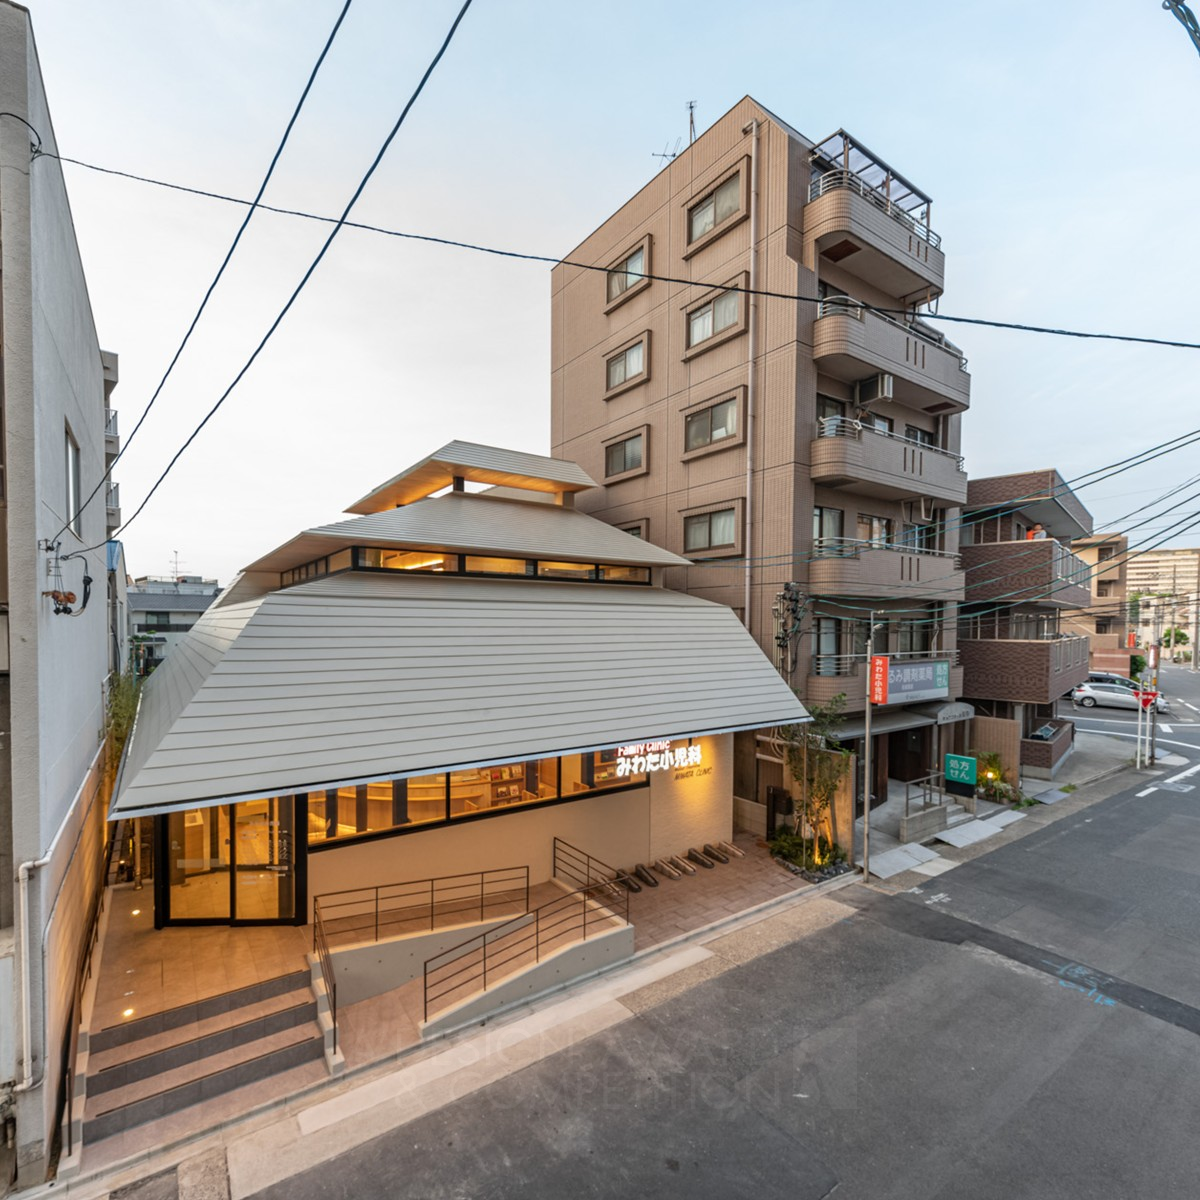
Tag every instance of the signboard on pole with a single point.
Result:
(877, 692)
(1131, 640)
(962, 773)
(1146, 697)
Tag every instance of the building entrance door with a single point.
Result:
(236, 864)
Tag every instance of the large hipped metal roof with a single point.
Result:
(476, 523)
(358, 677)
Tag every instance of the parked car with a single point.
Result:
(1111, 677)
(1112, 695)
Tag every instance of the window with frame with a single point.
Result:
(715, 317)
(625, 455)
(879, 424)
(1105, 553)
(914, 433)
(876, 530)
(717, 207)
(1104, 625)
(626, 365)
(74, 516)
(710, 530)
(827, 526)
(626, 273)
(716, 423)
(636, 531)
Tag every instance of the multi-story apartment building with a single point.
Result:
(1021, 575)
(738, 353)
(162, 611)
(1166, 584)
(58, 435)
(1105, 622)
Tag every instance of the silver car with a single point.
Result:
(1112, 695)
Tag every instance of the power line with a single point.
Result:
(254, 204)
(553, 260)
(358, 191)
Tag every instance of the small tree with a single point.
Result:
(819, 763)
(1174, 637)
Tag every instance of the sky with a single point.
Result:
(1057, 141)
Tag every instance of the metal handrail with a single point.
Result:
(929, 784)
(847, 306)
(844, 547)
(112, 497)
(110, 422)
(568, 861)
(849, 427)
(321, 950)
(469, 964)
(832, 180)
(475, 895)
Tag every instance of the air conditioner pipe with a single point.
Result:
(752, 128)
(24, 871)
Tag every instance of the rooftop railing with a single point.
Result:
(833, 180)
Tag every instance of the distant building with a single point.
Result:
(1105, 622)
(57, 436)
(162, 611)
(1172, 579)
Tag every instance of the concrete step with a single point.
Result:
(146, 1099)
(957, 815)
(200, 1010)
(163, 1052)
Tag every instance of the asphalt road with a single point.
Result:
(1178, 730)
(1025, 1025)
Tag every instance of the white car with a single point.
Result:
(1112, 695)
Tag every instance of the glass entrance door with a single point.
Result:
(232, 863)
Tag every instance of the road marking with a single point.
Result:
(1184, 774)
(1166, 728)
(1163, 741)
(1147, 791)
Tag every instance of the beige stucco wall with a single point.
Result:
(677, 810)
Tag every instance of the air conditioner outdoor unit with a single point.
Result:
(921, 510)
(878, 387)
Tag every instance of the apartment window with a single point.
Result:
(1104, 625)
(628, 273)
(922, 437)
(715, 317)
(914, 637)
(827, 406)
(826, 525)
(873, 529)
(638, 530)
(628, 366)
(710, 531)
(1104, 587)
(74, 517)
(1105, 553)
(717, 423)
(717, 207)
(921, 537)
(624, 456)
(879, 424)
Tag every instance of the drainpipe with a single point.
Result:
(26, 869)
(752, 128)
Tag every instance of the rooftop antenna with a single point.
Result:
(665, 154)
(175, 565)
(691, 107)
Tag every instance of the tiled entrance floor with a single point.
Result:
(147, 970)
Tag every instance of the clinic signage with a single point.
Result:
(642, 757)
(962, 773)
(906, 682)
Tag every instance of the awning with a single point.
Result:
(355, 677)
(948, 712)
(888, 722)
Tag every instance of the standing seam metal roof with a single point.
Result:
(359, 677)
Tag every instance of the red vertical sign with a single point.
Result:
(1131, 640)
(878, 691)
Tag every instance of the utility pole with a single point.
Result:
(867, 743)
(1195, 621)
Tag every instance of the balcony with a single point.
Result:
(854, 567)
(112, 436)
(873, 236)
(1040, 571)
(1022, 670)
(871, 462)
(112, 506)
(852, 342)
(846, 675)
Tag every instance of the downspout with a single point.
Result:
(747, 548)
(26, 869)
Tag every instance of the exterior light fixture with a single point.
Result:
(137, 912)
(127, 1013)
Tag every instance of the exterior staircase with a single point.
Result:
(170, 1060)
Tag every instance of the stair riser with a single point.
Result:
(198, 1090)
(218, 1042)
(188, 1014)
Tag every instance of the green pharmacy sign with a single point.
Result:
(961, 769)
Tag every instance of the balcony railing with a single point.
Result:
(846, 664)
(847, 306)
(110, 423)
(832, 180)
(847, 427)
(844, 547)
(112, 496)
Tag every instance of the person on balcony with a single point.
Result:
(1036, 532)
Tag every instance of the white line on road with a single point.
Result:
(1166, 729)
(1148, 791)
(1163, 741)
